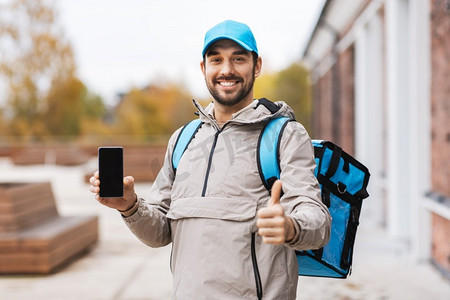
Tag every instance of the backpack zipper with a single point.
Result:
(259, 290)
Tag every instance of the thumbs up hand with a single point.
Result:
(273, 225)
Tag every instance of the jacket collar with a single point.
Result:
(258, 111)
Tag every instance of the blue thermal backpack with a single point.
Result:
(343, 182)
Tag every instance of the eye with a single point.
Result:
(215, 60)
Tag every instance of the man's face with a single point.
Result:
(230, 72)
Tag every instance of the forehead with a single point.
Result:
(226, 44)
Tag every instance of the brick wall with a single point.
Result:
(322, 115)
(347, 101)
(333, 116)
(440, 125)
(440, 95)
(440, 246)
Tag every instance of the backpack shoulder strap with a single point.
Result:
(268, 158)
(184, 138)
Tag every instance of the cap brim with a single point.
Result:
(243, 45)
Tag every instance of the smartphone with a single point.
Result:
(110, 168)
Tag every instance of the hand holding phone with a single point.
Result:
(110, 165)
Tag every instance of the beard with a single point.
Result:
(230, 98)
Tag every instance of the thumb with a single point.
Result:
(128, 185)
(128, 182)
(275, 193)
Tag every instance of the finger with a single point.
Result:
(128, 182)
(275, 193)
(272, 221)
(271, 232)
(94, 189)
(129, 193)
(94, 181)
(270, 212)
(96, 174)
(276, 240)
(128, 187)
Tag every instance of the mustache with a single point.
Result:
(230, 77)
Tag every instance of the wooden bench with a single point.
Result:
(66, 155)
(5, 150)
(34, 238)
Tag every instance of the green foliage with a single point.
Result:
(290, 85)
(138, 115)
(45, 99)
(293, 86)
(153, 111)
(265, 86)
(64, 108)
(93, 106)
(44, 96)
(2, 121)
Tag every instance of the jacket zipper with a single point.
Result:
(259, 290)
(208, 169)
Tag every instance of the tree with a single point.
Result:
(64, 108)
(2, 122)
(94, 115)
(265, 86)
(290, 85)
(154, 110)
(44, 96)
(175, 104)
(139, 115)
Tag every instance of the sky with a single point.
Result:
(120, 44)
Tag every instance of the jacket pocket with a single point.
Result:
(233, 209)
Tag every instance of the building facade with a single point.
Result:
(380, 71)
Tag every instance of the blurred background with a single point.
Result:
(83, 70)
(369, 75)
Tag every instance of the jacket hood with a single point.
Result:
(258, 111)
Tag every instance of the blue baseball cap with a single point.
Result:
(232, 30)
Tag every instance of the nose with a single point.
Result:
(227, 68)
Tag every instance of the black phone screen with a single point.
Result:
(110, 166)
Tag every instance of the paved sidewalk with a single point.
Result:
(121, 267)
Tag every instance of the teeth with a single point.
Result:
(227, 83)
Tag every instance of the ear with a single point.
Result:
(202, 66)
(258, 66)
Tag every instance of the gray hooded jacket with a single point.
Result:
(207, 209)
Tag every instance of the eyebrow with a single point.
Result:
(212, 52)
(237, 52)
(241, 52)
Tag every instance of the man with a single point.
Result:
(230, 238)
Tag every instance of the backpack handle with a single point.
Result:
(334, 162)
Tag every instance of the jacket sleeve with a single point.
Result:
(301, 200)
(149, 223)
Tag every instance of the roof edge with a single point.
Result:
(316, 28)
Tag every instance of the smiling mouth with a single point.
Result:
(227, 83)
